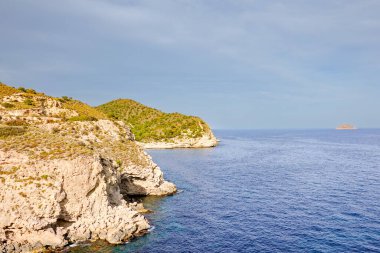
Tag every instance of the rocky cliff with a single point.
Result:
(66, 175)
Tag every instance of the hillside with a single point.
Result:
(7, 90)
(64, 108)
(150, 125)
(67, 174)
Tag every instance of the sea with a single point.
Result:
(267, 191)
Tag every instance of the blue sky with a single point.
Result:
(236, 63)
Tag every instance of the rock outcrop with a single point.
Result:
(207, 140)
(65, 181)
(346, 127)
(55, 202)
(38, 109)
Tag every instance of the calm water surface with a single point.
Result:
(268, 191)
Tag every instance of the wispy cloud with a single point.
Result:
(293, 50)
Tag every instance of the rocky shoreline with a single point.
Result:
(207, 140)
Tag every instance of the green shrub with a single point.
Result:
(28, 101)
(6, 90)
(13, 170)
(11, 131)
(83, 118)
(65, 99)
(16, 122)
(31, 91)
(86, 112)
(8, 105)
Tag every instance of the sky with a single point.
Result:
(239, 64)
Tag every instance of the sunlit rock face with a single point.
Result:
(207, 140)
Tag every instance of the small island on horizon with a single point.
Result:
(346, 127)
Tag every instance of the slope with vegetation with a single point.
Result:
(151, 126)
(28, 101)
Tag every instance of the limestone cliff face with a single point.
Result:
(63, 182)
(207, 140)
(57, 202)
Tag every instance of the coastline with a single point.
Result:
(69, 174)
(208, 140)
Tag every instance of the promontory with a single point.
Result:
(156, 129)
(68, 170)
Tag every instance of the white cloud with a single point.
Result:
(288, 48)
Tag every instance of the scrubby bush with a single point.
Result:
(6, 90)
(31, 91)
(11, 131)
(29, 102)
(16, 122)
(83, 118)
(65, 99)
(8, 105)
(45, 177)
(86, 112)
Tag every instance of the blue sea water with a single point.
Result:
(268, 191)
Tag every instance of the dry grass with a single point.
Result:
(68, 139)
(86, 112)
(6, 90)
(7, 131)
(42, 144)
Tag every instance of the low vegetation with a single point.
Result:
(34, 100)
(41, 144)
(7, 131)
(72, 137)
(70, 140)
(149, 124)
(86, 112)
(6, 90)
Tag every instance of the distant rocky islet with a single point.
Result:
(346, 127)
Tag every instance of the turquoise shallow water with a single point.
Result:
(268, 191)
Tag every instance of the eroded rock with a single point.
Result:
(50, 198)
